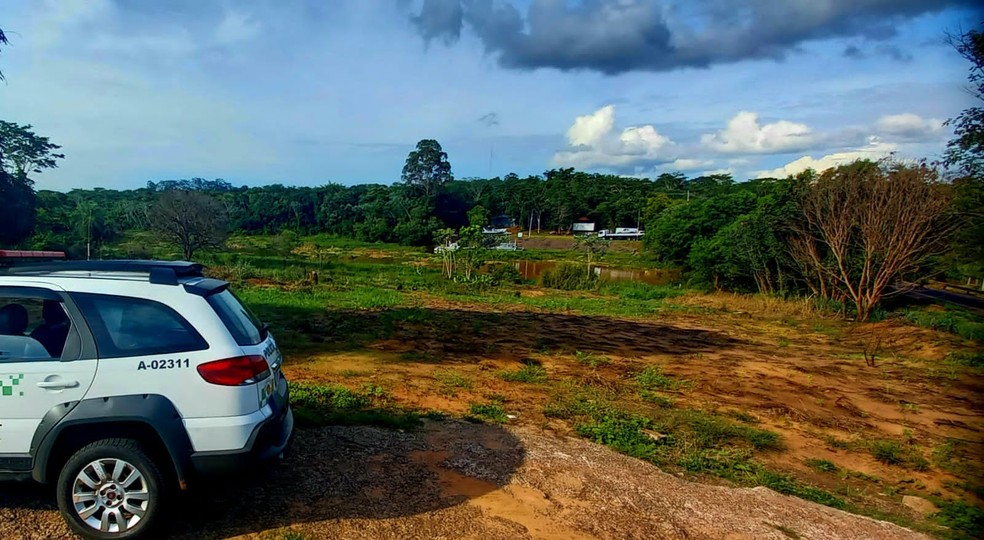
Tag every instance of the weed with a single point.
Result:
(822, 465)
(569, 277)
(969, 359)
(493, 412)
(655, 399)
(591, 360)
(329, 404)
(888, 452)
(350, 373)
(652, 378)
(784, 342)
(528, 373)
(451, 380)
(746, 417)
(963, 518)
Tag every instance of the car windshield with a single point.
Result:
(245, 328)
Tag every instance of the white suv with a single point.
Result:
(121, 381)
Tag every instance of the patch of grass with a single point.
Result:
(638, 290)
(787, 485)
(836, 443)
(898, 453)
(653, 378)
(492, 412)
(451, 381)
(965, 520)
(888, 452)
(351, 373)
(591, 360)
(655, 399)
(822, 465)
(950, 319)
(744, 416)
(331, 404)
(784, 342)
(529, 373)
(969, 359)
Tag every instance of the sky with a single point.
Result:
(307, 92)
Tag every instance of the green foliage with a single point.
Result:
(966, 149)
(953, 320)
(451, 381)
(427, 168)
(530, 372)
(569, 277)
(652, 378)
(638, 290)
(330, 404)
(964, 519)
(492, 412)
(822, 465)
(479, 216)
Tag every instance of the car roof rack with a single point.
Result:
(160, 272)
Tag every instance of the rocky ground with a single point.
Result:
(453, 479)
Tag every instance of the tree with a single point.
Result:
(864, 231)
(190, 219)
(479, 216)
(3, 41)
(21, 153)
(17, 206)
(24, 152)
(427, 168)
(966, 150)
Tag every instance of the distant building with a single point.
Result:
(582, 227)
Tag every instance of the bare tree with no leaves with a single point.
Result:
(190, 219)
(866, 225)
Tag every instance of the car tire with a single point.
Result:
(112, 489)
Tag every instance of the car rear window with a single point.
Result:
(245, 328)
(125, 326)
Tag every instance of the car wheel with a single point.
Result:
(111, 489)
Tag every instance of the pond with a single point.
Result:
(653, 276)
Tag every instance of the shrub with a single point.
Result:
(569, 277)
(505, 273)
(889, 452)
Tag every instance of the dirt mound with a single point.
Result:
(454, 479)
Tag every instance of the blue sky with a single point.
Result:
(310, 92)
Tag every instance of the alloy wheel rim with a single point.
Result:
(110, 495)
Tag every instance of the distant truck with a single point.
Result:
(622, 233)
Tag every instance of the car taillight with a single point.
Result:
(235, 371)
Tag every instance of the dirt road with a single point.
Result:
(454, 479)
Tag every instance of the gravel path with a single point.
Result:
(458, 480)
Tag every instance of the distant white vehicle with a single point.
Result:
(453, 246)
(509, 246)
(491, 230)
(622, 233)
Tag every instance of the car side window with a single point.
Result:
(124, 326)
(32, 328)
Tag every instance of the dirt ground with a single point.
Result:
(804, 379)
(453, 479)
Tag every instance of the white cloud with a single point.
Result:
(688, 164)
(594, 142)
(909, 126)
(745, 135)
(590, 128)
(876, 149)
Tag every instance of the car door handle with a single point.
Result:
(55, 385)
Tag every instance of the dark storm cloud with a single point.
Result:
(439, 19)
(615, 36)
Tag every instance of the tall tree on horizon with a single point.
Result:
(427, 168)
